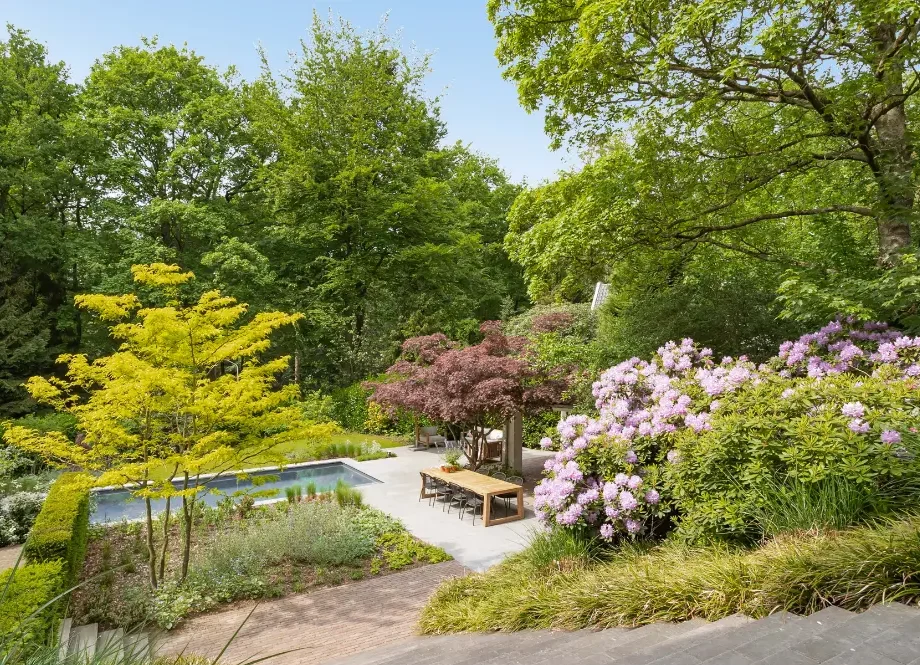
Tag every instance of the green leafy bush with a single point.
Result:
(402, 549)
(567, 319)
(349, 407)
(23, 592)
(317, 407)
(351, 410)
(17, 514)
(376, 522)
(61, 528)
(538, 426)
(782, 431)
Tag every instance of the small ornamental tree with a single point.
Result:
(475, 387)
(187, 393)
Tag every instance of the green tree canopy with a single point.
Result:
(748, 100)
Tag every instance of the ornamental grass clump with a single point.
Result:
(639, 583)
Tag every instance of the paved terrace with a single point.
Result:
(475, 547)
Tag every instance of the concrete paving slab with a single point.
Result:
(475, 547)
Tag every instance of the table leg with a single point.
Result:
(486, 510)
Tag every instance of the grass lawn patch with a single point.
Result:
(561, 583)
(259, 552)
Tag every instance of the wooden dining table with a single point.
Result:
(482, 485)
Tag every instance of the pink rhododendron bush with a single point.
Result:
(687, 440)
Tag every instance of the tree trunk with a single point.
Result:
(894, 170)
(188, 511)
(165, 538)
(151, 550)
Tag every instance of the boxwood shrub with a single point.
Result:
(61, 529)
(23, 591)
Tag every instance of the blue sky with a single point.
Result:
(479, 107)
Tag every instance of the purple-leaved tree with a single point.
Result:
(475, 387)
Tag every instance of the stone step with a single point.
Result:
(110, 645)
(628, 648)
(776, 638)
(64, 637)
(136, 647)
(883, 635)
(727, 641)
(664, 652)
(882, 632)
(83, 641)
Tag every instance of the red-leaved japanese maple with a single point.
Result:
(475, 387)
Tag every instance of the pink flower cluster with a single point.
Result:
(844, 345)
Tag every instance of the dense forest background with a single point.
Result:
(735, 187)
(325, 188)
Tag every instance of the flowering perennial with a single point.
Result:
(608, 473)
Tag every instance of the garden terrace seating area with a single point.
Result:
(472, 492)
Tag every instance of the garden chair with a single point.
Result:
(431, 486)
(428, 436)
(458, 496)
(473, 502)
(517, 480)
(443, 490)
(498, 475)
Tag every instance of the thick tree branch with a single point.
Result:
(700, 232)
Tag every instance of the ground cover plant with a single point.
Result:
(247, 552)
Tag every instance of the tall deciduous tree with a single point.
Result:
(44, 188)
(163, 409)
(178, 155)
(784, 91)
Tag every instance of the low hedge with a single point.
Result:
(23, 591)
(61, 529)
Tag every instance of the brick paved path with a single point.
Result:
(325, 624)
(9, 556)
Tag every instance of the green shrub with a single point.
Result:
(539, 425)
(376, 522)
(794, 431)
(17, 514)
(351, 409)
(61, 528)
(317, 407)
(23, 592)
(401, 549)
(636, 585)
(573, 320)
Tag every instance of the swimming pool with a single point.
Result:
(112, 505)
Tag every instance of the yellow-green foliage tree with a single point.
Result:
(187, 393)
